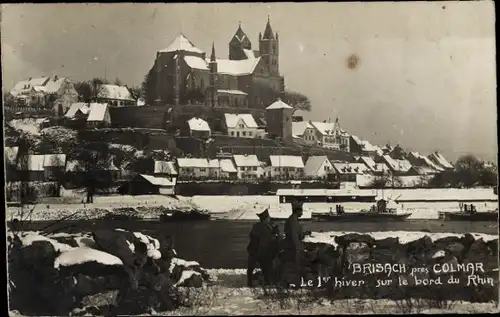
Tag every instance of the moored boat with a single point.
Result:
(462, 216)
(177, 215)
(381, 212)
(469, 213)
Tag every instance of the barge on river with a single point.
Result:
(469, 213)
(379, 212)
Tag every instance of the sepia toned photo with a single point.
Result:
(250, 158)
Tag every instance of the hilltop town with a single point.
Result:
(202, 119)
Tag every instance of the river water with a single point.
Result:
(222, 244)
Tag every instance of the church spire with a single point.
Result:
(212, 56)
(268, 33)
(239, 35)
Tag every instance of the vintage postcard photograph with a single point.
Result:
(250, 158)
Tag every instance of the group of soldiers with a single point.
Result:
(269, 251)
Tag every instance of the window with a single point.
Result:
(249, 133)
(244, 133)
(242, 126)
(203, 170)
(255, 168)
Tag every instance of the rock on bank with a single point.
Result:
(103, 272)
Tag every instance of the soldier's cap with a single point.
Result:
(264, 214)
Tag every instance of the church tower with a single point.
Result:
(212, 87)
(269, 49)
(238, 43)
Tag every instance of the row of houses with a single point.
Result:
(53, 95)
(294, 167)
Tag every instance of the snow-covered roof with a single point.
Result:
(231, 92)
(54, 84)
(37, 162)
(232, 120)
(26, 85)
(11, 154)
(351, 168)
(397, 165)
(246, 160)
(213, 163)
(286, 161)
(298, 128)
(427, 161)
(114, 92)
(368, 161)
(196, 62)
(440, 159)
(97, 111)
(249, 53)
(227, 166)
(181, 43)
(198, 124)
(424, 170)
(77, 106)
(279, 104)
(325, 128)
(166, 167)
(224, 66)
(159, 181)
(314, 163)
(192, 162)
(236, 67)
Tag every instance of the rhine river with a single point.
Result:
(222, 244)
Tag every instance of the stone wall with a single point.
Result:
(102, 273)
(352, 258)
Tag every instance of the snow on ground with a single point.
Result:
(83, 255)
(247, 207)
(437, 194)
(27, 238)
(404, 236)
(29, 125)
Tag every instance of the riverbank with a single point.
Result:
(223, 291)
(237, 207)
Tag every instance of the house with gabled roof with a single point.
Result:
(42, 167)
(305, 131)
(242, 125)
(398, 167)
(90, 115)
(286, 167)
(43, 95)
(425, 164)
(363, 147)
(318, 167)
(192, 168)
(438, 159)
(248, 166)
(374, 167)
(331, 136)
(115, 95)
(198, 128)
(347, 172)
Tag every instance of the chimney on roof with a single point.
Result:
(56, 78)
(204, 55)
(29, 78)
(324, 121)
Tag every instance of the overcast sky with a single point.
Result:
(425, 77)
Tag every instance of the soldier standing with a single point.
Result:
(262, 247)
(294, 234)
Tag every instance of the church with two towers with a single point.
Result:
(249, 78)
